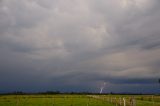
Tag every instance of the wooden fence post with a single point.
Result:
(124, 101)
(134, 102)
(120, 101)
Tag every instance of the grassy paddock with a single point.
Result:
(140, 100)
(50, 100)
(76, 100)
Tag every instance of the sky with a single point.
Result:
(77, 45)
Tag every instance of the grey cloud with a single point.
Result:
(71, 43)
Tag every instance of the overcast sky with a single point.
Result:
(77, 45)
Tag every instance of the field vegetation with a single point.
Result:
(78, 100)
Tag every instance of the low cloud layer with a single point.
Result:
(76, 45)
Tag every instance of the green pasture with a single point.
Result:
(75, 100)
(50, 100)
(140, 100)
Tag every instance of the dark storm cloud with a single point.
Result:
(79, 44)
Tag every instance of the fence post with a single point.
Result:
(124, 101)
(116, 101)
(120, 101)
(134, 102)
(153, 100)
(108, 99)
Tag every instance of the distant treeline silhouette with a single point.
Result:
(71, 93)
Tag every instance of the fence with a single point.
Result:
(117, 101)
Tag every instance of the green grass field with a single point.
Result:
(74, 100)
(140, 100)
(50, 100)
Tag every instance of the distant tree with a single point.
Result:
(49, 92)
(159, 83)
(111, 93)
(18, 93)
(52, 92)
